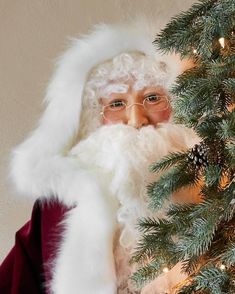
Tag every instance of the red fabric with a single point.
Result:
(27, 268)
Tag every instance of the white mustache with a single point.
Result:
(121, 141)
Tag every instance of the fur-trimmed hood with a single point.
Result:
(39, 166)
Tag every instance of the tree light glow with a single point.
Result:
(165, 270)
(222, 267)
(222, 42)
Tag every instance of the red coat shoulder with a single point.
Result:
(27, 268)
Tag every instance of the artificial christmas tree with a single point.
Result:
(201, 236)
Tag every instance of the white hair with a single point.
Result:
(144, 70)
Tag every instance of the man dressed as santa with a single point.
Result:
(108, 117)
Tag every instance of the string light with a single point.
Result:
(222, 267)
(195, 51)
(222, 42)
(165, 270)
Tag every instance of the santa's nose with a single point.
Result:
(136, 116)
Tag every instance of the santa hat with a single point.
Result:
(39, 166)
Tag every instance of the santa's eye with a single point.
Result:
(152, 98)
(116, 105)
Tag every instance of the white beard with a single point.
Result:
(118, 156)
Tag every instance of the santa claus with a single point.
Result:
(108, 117)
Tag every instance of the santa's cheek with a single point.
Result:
(161, 116)
(106, 122)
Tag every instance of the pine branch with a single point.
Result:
(229, 84)
(147, 273)
(199, 239)
(222, 68)
(147, 225)
(179, 216)
(179, 211)
(228, 256)
(183, 81)
(188, 289)
(226, 128)
(175, 179)
(197, 28)
(208, 126)
(213, 174)
(156, 242)
(168, 161)
(179, 30)
(213, 279)
(230, 151)
(190, 265)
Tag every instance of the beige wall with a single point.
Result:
(32, 34)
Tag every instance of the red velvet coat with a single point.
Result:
(27, 268)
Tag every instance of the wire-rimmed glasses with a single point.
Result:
(117, 109)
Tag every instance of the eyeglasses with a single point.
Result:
(117, 109)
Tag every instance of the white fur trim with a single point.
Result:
(85, 262)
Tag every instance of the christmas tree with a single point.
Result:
(201, 236)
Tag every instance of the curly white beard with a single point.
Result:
(119, 156)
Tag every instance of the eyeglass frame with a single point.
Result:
(136, 103)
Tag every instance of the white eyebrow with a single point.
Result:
(114, 88)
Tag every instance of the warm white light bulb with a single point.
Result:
(222, 42)
(222, 267)
(195, 51)
(165, 270)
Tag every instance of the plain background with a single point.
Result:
(32, 34)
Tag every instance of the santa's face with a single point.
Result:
(129, 104)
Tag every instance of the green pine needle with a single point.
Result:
(228, 256)
(212, 279)
(175, 179)
(148, 272)
(168, 161)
